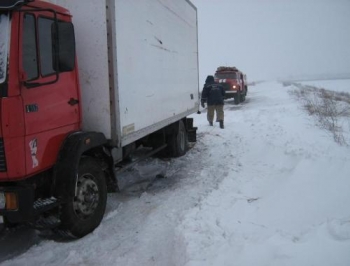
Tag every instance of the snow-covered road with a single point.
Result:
(269, 189)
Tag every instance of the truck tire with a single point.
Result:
(85, 211)
(178, 142)
(237, 98)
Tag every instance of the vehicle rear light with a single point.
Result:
(11, 202)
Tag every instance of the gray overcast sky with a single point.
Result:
(269, 39)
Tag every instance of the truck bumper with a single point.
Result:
(230, 94)
(16, 204)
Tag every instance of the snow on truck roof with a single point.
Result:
(9, 4)
(225, 68)
(44, 4)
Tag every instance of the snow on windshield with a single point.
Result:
(4, 33)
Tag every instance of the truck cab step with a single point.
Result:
(43, 205)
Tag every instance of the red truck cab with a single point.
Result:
(33, 90)
(234, 83)
(41, 142)
(55, 171)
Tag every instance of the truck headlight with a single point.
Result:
(234, 86)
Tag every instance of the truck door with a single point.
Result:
(50, 101)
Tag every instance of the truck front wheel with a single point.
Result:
(237, 98)
(85, 211)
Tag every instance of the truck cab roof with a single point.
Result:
(13, 4)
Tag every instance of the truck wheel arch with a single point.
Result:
(66, 168)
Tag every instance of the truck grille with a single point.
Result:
(226, 86)
(2, 157)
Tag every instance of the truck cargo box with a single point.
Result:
(138, 63)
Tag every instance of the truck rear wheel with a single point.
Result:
(85, 211)
(178, 142)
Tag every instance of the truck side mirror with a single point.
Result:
(65, 46)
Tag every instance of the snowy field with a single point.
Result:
(340, 85)
(271, 189)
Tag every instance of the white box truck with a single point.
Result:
(83, 85)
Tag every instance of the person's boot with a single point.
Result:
(210, 123)
(221, 123)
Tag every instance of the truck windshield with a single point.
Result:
(226, 75)
(4, 43)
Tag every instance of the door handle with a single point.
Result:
(73, 101)
(32, 108)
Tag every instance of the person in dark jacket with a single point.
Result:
(213, 94)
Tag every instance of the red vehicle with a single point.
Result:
(68, 129)
(234, 83)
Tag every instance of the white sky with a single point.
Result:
(274, 38)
